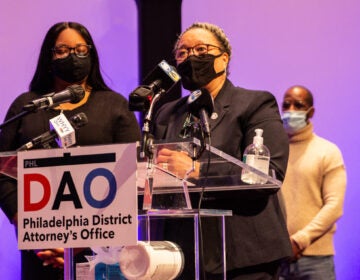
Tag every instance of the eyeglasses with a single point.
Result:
(198, 50)
(63, 51)
(298, 104)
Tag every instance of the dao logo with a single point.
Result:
(66, 189)
(70, 193)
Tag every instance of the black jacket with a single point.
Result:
(256, 233)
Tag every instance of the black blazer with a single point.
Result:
(256, 233)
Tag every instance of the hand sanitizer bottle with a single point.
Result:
(256, 155)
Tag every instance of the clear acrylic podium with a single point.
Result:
(166, 196)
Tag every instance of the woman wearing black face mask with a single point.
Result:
(68, 56)
(256, 234)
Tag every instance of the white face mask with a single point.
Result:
(294, 120)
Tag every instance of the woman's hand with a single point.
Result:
(54, 257)
(177, 162)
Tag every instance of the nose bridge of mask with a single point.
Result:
(291, 116)
(297, 112)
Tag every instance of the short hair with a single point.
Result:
(43, 79)
(309, 96)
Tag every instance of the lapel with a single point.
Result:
(178, 113)
(221, 104)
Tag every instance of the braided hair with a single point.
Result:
(215, 30)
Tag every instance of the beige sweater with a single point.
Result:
(313, 190)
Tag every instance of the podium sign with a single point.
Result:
(77, 197)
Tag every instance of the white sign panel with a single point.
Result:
(77, 197)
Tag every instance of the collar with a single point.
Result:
(303, 134)
(223, 97)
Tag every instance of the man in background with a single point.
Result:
(313, 190)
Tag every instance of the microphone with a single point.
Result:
(201, 105)
(61, 130)
(72, 94)
(160, 80)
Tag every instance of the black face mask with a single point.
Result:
(72, 68)
(197, 72)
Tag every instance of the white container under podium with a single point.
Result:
(165, 196)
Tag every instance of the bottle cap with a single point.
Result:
(258, 139)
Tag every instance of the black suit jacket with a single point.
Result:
(256, 233)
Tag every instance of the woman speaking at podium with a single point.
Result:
(256, 234)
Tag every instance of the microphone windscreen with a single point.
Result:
(140, 99)
(79, 120)
(200, 99)
(77, 93)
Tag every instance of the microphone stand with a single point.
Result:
(18, 116)
(148, 138)
(147, 150)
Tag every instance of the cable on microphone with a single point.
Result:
(201, 105)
